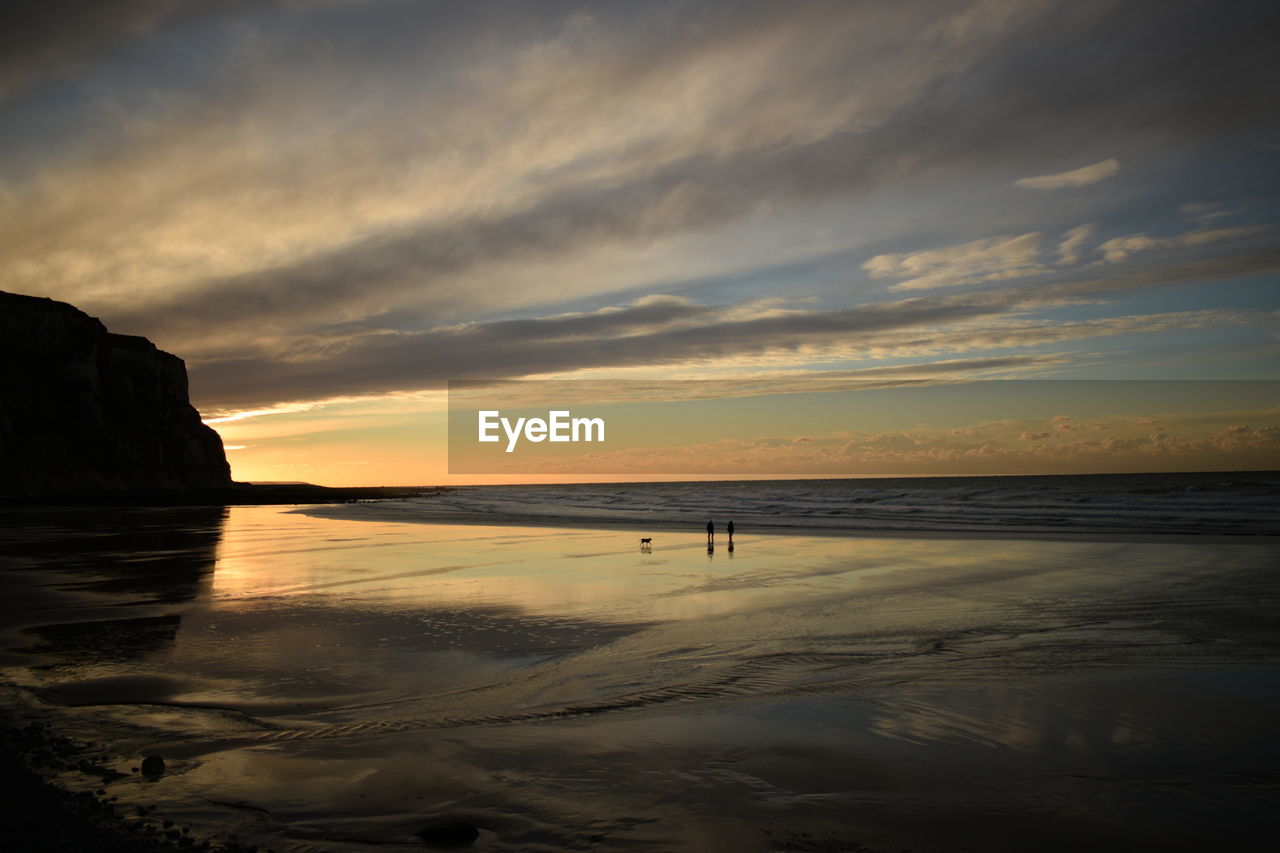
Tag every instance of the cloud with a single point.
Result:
(41, 38)
(324, 192)
(1073, 241)
(1120, 248)
(1205, 212)
(968, 263)
(1081, 177)
(383, 361)
(1238, 437)
(658, 332)
(988, 447)
(313, 204)
(257, 413)
(329, 193)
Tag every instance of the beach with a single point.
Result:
(325, 679)
(618, 427)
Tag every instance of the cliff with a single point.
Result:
(84, 411)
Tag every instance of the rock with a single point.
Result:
(108, 774)
(153, 766)
(90, 412)
(452, 833)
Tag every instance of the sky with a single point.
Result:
(331, 208)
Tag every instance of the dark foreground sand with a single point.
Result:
(335, 686)
(40, 817)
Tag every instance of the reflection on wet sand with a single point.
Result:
(158, 554)
(327, 685)
(69, 570)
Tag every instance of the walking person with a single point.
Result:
(730, 529)
(711, 532)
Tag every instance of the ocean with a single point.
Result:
(1190, 503)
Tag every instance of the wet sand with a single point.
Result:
(318, 684)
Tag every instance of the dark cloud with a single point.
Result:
(1191, 72)
(39, 38)
(1178, 272)
(1085, 77)
(664, 331)
(386, 362)
(47, 38)
(646, 314)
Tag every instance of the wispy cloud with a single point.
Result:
(1121, 248)
(246, 414)
(989, 259)
(588, 149)
(1069, 250)
(662, 332)
(1205, 212)
(1081, 177)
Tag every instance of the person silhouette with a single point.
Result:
(711, 532)
(730, 529)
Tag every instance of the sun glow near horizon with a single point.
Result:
(957, 429)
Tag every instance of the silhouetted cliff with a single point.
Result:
(84, 411)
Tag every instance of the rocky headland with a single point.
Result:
(92, 417)
(86, 411)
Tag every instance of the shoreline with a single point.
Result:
(326, 502)
(1061, 535)
(239, 494)
(250, 494)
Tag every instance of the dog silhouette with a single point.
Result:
(646, 542)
